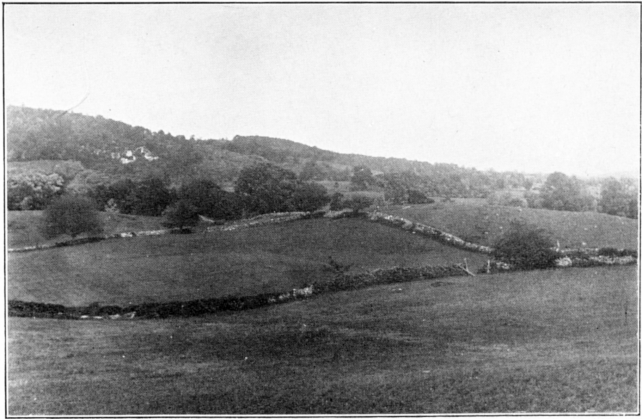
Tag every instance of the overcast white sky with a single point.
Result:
(527, 87)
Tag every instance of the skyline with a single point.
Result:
(528, 88)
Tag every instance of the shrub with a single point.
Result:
(525, 246)
(71, 215)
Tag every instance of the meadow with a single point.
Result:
(264, 259)
(476, 222)
(550, 341)
(540, 341)
(24, 226)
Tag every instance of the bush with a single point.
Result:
(525, 247)
(71, 215)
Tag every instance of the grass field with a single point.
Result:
(22, 226)
(483, 224)
(540, 341)
(269, 258)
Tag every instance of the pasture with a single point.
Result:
(539, 341)
(270, 258)
(23, 226)
(483, 224)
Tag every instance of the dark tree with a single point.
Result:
(180, 214)
(310, 197)
(525, 247)
(358, 203)
(151, 197)
(201, 193)
(71, 215)
(417, 197)
(266, 188)
(210, 200)
(336, 201)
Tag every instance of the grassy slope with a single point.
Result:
(22, 226)
(471, 222)
(242, 262)
(541, 341)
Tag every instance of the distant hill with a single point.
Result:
(120, 150)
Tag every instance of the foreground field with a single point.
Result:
(483, 224)
(542, 341)
(270, 258)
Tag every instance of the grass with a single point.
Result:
(22, 226)
(270, 258)
(483, 224)
(541, 341)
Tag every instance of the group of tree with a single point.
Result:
(565, 193)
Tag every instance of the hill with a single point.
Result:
(121, 150)
(483, 224)
(269, 258)
(555, 341)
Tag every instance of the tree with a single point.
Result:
(151, 197)
(395, 191)
(632, 211)
(201, 193)
(358, 203)
(361, 178)
(210, 200)
(71, 215)
(525, 247)
(563, 193)
(336, 201)
(180, 214)
(266, 188)
(309, 197)
(417, 197)
(311, 171)
(614, 200)
(33, 191)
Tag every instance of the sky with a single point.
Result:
(534, 88)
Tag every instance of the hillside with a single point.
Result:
(121, 150)
(270, 258)
(483, 224)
